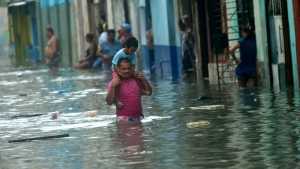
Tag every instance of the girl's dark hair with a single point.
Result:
(249, 30)
(131, 42)
(90, 36)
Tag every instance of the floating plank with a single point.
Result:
(39, 138)
(23, 94)
(210, 107)
(27, 115)
(197, 124)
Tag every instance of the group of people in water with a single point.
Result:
(100, 55)
(118, 57)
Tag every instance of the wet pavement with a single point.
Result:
(258, 128)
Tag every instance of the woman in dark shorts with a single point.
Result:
(246, 69)
(90, 56)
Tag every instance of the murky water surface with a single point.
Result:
(256, 129)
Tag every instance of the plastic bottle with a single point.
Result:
(91, 113)
(197, 124)
(62, 91)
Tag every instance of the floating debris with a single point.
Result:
(23, 94)
(201, 98)
(39, 138)
(197, 124)
(211, 107)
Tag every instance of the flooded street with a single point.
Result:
(258, 128)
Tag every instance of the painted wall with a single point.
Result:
(293, 42)
(58, 14)
(296, 45)
(262, 43)
(166, 49)
(4, 38)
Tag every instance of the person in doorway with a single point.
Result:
(129, 52)
(102, 32)
(246, 66)
(149, 34)
(129, 92)
(52, 50)
(124, 33)
(103, 37)
(107, 50)
(188, 58)
(90, 56)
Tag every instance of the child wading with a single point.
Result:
(129, 52)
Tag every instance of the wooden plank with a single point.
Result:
(39, 138)
(27, 115)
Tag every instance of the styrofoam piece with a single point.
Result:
(197, 124)
(209, 107)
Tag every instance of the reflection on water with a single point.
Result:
(259, 128)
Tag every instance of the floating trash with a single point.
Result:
(62, 91)
(91, 113)
(54, 115)
(211, 107)
(23, 94)
(197, 124)
(201, 98)
(39, 138)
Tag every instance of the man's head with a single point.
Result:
(131, 45)
(126, 27)
(124, 67)
(181, 25)
(111, 33)
(49, 32)
(185, 20)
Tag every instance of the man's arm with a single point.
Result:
(54, 47)
(111, 95)
(100, 54)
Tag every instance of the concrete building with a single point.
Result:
(217, 25)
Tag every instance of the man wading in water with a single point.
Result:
(51, 50)
(129, 92)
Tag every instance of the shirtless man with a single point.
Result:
(51, 50)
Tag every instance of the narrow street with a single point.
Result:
(257, 126)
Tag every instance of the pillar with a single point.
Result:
(263, 73)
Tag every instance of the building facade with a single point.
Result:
(217, 25)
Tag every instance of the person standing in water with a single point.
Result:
(129, 92)
(52, 50)
(246, 69)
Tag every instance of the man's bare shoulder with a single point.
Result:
(53, 38)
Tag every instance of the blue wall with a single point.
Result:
(165, 38)
(49, 3)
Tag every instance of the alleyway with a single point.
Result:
(257, 127)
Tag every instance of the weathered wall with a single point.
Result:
(4, 38)
(167, 53)
(58, 14)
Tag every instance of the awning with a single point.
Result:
(18, 3)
